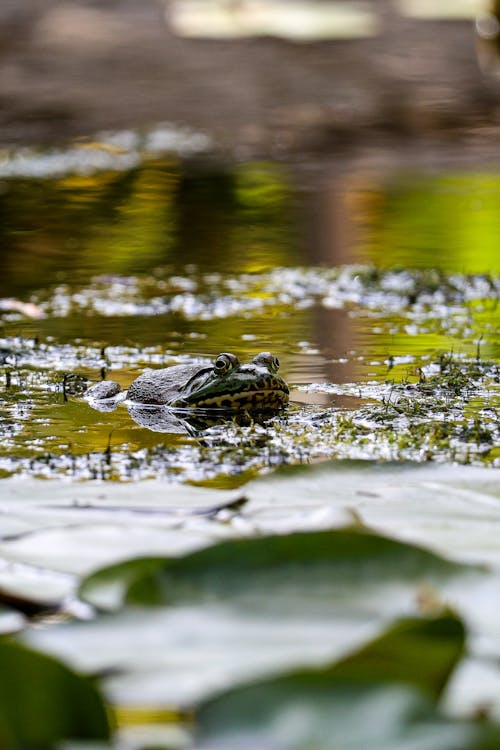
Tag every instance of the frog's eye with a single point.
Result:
(267, 360)
(225, 363)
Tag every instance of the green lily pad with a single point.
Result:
(381, 696)
(56, 528)
(249, 607)
(242, 609)
(54, 532)
(439, 642)
(334, 716)
(149, 497)
(453, 510)
(42, 702)
(243, 569)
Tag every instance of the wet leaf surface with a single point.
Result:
(248, 607)
(58, 705)
(451, 509)
(203, 620)
(280, 563)
(373, 697)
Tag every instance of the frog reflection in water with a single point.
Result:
(226, 386)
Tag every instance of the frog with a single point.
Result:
(226, 385)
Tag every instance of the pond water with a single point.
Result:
(377, 291)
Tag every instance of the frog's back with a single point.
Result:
(161, 386)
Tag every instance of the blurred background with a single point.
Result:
(148, 139)
(262, 77)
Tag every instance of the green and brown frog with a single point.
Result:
(224, 385)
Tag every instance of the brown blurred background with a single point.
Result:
(77, 67)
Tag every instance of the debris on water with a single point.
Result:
(119, 151)
(28, 309)
(412, 404)
(427, 417)
(419, 296)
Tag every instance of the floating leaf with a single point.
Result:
(43, 702)
(273, 565)
(249, 607)
(373, 698)
(453, 510)
(439, 644)
(243, 609)
(55, 531)
(338, 716)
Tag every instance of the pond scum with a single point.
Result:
(446, 410)
(429, 406)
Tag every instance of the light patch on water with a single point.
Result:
(108, 151)
(445, 9)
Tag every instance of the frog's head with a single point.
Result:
(228, 384)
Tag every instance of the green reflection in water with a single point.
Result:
(71, 229)
(450, 222)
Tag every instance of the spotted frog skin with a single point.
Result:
(226, 384)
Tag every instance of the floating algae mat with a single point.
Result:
(183, 584)
(425, 374)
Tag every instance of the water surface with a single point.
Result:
(355, 285)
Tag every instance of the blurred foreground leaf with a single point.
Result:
(247, 608)
(419, 652)
(42, 702)
(452, 510)
(243, 609)
(268, 565)
(282, 715)
(382, 697)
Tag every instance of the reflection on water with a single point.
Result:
(161, 264)
(449, 222)
(159, 219)
(152, 219)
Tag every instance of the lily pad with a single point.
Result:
(241, 569)
(25, 495)
(380, 696)
(350, 718)
(58, 705)
(55, 531)
(453, 510)
(257, 603)
(383, 697)
(242, 609)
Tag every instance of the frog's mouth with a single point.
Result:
(267, 393)
(262, 399)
